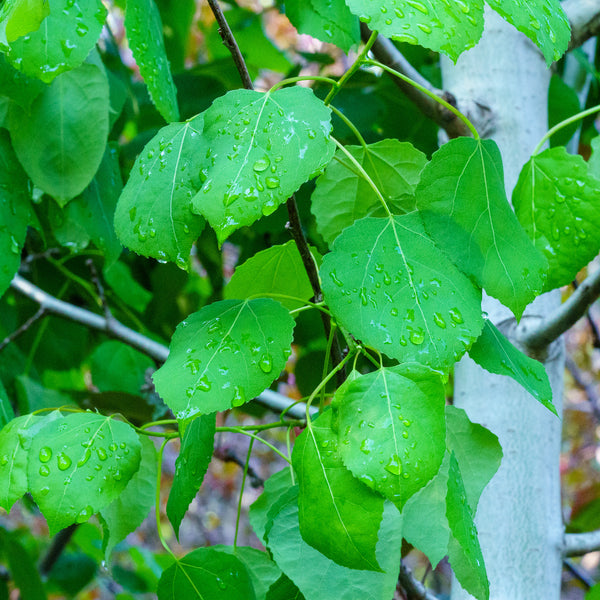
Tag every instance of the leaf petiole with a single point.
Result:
(350, 125)
(157, 501)
(291, 80)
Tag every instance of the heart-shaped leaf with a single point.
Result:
(224, 355)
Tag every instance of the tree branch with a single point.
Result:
(414, 589)
(584, 17)
(577, 544)
(385, 52)
(549, 329)
(115, 329)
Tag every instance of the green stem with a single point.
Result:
(257, 438)
(326, 366)
(288, 444)
(162, 423)
(361, 58)
(365, 176)
(427, 92)
(264, 426)
(157, 504)
(350, 125)
(317, 305)
(239, 507)
(565, 123)
(290, 80)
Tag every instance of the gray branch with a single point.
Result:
(577, 544)
(584, 17)
(114, 328)
(414, 589)
(549, 329)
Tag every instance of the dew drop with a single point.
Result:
(456, 315)
(272, 182)
(84, 514)
(63, 461)
(417, 337)
(101, 452)
(239, 397)
(44, 471)
(439, 320)
(394, 465)
(86, 456)
(45, 454)
(262, 164)
(44, 491)
(266, 363)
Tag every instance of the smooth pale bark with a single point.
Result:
(519, 515)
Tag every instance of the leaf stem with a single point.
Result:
(264, 426)
(360, 60)
(291, 80)
(239, 507)
(157, 502)
(565, 123)
(257, 438)
(429, 93)
(350, 125)
(365, 176)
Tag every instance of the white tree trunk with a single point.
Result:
(519, 515)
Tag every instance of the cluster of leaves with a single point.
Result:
(409, 244)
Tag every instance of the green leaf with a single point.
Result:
(392, 428)
(464, 551)
(262, 147)
(55, 143)
(593, 593)
(20, 17)
(262, 570)
(6, 410)
(324, 578)
(276, 270)
(392, 288)
(23, 570)
(153, 216)
(62, 42)
(115, 366)
(284, 589)
(327, 20)
(542, 21)
(95, 207)
(496, 354)
(462, 200)
(342, 195)
(563, 102)
(197, 444)
(79, 465)
(32, 396)
(448, 27)
(126, 512)
(224, 355)
(275, 487)
(17, 86)
(119, 278)
(15, 211)
(339, 516)
(14, 443)
(476, 450)
(594, 160)
(145, 35)
(558, 204)
(424, 521)
(206, 573)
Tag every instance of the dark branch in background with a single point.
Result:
(587, 386)
(413, 588)
(228, 455)
(551, 328)
(96, 280)
(584, 17)
(115, 329)
(295, 224)
(23, 328)
(578, 573)
(57, 545)
(385, 52)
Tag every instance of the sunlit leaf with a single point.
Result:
(153, 216)
(542, 21)
(342, 195)
(62, 42)
(462, 200)
(262, 147)
(276, 270)
(20, 17)
(224, 355)
(145, 36)
(79, 464)
(392, 288)
(327, 20)
(496, 354)
(206, 573)
(339, 515)
(558, 204)
(197, 446)
(450, 27)
(54, 142)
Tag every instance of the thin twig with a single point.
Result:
(413, 588)
(577, 544)
(23, 328)
(228, 455)
(229, 41)
(566, 315)
(385, 52)
(100, 288)
(579, 573)
(586, 386)
(115, 329)
(593, 325)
